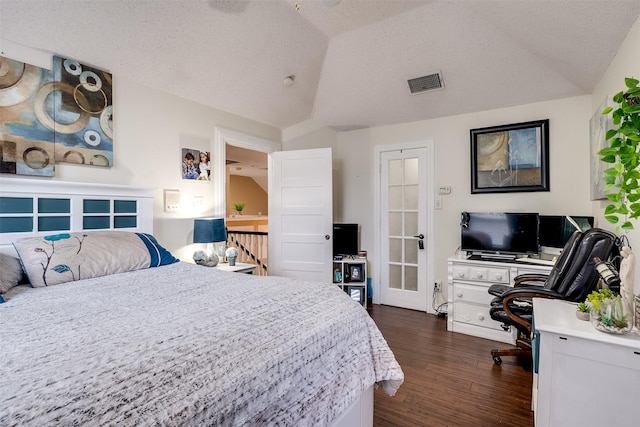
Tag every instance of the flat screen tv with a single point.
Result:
(499, 234)
(345, 239)
(555, 230)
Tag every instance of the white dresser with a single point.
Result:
(469, 299)
(585, 377)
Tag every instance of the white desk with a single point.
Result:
(585, 377)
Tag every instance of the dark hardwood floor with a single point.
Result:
(450, 378)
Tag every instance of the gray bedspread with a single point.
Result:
(186, 345)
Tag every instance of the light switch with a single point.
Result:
(198, 202)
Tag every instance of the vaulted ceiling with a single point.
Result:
(351, 61)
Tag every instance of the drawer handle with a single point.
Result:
(461, 274)
(459, 294)
(480, 316)
(479, 275)
(499, 276)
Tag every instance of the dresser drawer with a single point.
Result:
(460, 272)
(480, 274)
(475, 293)
(474, 315)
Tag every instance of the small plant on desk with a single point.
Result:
(584, 307)
(583, 311)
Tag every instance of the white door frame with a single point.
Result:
(222, 137)
(428, 144)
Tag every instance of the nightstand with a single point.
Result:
(238, 268)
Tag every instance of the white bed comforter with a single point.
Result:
(186, 345)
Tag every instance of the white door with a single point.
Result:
(301, 214)
(405, 239)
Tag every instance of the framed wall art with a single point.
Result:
(510, 158)
(599, 124)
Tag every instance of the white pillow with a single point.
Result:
(66, 257)
(10, 272)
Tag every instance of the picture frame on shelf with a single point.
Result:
(510, 158)
(355, 273)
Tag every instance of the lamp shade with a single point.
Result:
(209, 230)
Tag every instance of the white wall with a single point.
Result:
(569, 161)
(569, 169)
(149, 127)
(625, 64)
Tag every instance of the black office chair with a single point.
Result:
(572, 278)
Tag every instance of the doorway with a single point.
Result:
(243, 158)
(405, 214)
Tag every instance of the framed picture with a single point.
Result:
(196, 164)
(355, 273)
(599, 124)
(510, 158)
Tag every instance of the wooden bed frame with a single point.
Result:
(79, 201)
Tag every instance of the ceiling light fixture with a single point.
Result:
(288, 81)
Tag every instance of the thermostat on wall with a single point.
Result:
(444, 189)
(171, 200)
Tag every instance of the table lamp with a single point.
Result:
(209, 231)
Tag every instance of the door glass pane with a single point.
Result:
(411, 171)
(410, 223)
(395, 276)
(395, 172)
(395, 250)
(411, 251)
(395, 198)
(410, 278)
(395, 224)
(411, 197)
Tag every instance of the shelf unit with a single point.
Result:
(351, 275)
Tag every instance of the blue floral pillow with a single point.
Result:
(66, 257)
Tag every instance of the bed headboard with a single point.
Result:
(33, 207)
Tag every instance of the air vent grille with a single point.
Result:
(425, 83)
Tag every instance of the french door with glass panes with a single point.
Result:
(403, 217)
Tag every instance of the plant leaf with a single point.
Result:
(630, 82)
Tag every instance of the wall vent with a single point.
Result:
(425, 83)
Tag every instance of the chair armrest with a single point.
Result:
(521, 293)
(529, 279)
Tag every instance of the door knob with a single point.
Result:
(420, 236)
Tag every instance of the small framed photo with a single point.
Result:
(356, 293)
(355, 273)
(510, 158)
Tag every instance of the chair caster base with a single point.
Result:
(497, 360)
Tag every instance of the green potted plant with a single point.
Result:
(610, 312)
(238, 206)
(583, 311)
(623, 154)
(595, 297)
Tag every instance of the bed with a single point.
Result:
(172, 343)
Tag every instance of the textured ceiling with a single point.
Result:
(351, 61)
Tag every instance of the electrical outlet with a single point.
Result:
(437, 286)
